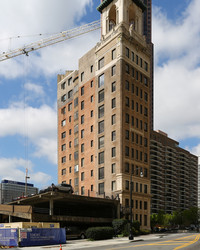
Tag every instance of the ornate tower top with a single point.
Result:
(121, 12)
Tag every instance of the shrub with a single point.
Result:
(119, 226)
(144, 232)
(136, 225)
(99, 233)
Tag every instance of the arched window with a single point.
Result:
(112, 17)
(132, 18)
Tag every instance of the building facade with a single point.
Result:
(104, 113)
(174, 175)
(10, 190)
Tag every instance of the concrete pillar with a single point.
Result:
(51, 207)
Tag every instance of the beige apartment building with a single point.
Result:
(174, 175)
(104, 113)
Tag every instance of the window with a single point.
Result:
(113, 185)
(70, 144)
(82, 176)
(127, 185)
(145, 127)
(70, 107)
(76, 155)
(113, 103)
(75, 116)
(64, 98)
(141, 62)
(91, 158)
(63, 159)
(82, 162)
(113, 167)
(146, 66)
(101, 157)
(101, 173)
(127, 118)
(76, 181)
(113, 70)
(136, 187)
(137, 59)
(63, 147)
(91, 128)
(145, 205)
(70, 170)
(101, 188)
(145, 111)
(113, 87)
(101, 96)
(127, 101)
(82, 119)
(113, 119)
(126, 167)
(63, 171)
(63, 135)
(140, 188)
(82, 147)
(145, 220)
(145, 189)
(127, 52)
(132, 56)
(145, 172)
(113, 54)
(82, 133)
(82, 90)
(101, 142)
(91, 68)
(91, 84)
(82, 190)
(127, 134)
(91, 98)
(101, 111)
(75, 168)
(101, 127)
(63, 85)
(101, 81)
(127, 68)
(145, 81)
(101, 63)
(76, 129)
(91, 113)
(75, 101)
(70, 94)
(113, 151)
(91, 173)
(70, 131)
(127, 85)
(145, 96)
(82, 105)
(63, 110)
(63, 123)
(69, 81)
(82, 76)
(145, 142)
(92, 188)
(126, 151)
(113, 135)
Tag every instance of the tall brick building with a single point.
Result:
(104, 113)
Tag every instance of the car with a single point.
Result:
(63, 187)
(73, 232)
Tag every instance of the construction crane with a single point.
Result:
(57, 38)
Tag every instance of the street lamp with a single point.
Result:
(26, 177)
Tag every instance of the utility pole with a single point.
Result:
(26, 177)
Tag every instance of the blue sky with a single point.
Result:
(28, 119)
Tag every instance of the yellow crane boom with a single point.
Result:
(57, 38)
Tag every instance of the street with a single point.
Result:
(150, 242)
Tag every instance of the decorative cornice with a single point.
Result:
(105, 3)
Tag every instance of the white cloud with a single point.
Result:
(38, 125)
(17, 170)
(177, 72)
(37, 89)
(33, 17)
